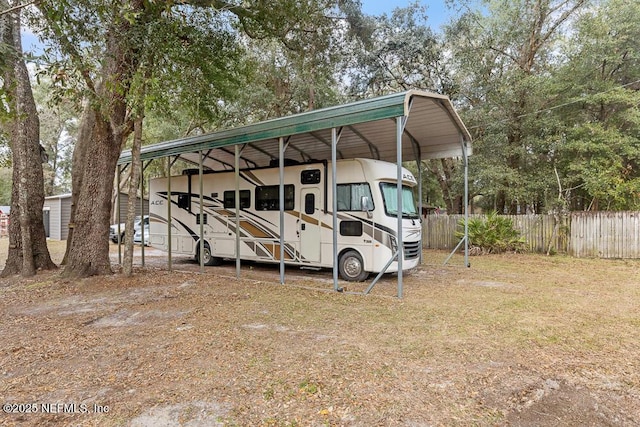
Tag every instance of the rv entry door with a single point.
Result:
(309, 225)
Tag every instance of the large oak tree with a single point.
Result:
(102, 45)
(28, 250)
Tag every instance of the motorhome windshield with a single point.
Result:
(390, 195)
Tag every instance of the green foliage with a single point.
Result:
(58, 130)
(5, 186)
(550, 92)
(399, 52)
(598, 148)
(548, 88)
(492, 234)
(192, 65)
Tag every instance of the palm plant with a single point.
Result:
(492, 234)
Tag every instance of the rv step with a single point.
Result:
(311, 268)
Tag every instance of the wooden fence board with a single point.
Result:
(582, 234)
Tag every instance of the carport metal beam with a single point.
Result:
(119, 220)
(465, 238)
(200, 193)
(303, 154)
(375, 153)
(282, 147)
(325, 142)
(465, 159)
(400, 124)
(169, 164)
(335, 138)
(236, 171)
(142, 212)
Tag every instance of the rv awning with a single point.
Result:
(367, 129)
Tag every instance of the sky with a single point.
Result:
(437, 12)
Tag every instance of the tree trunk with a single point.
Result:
(443, 170)
(501, 201)
(134, 181)
(28, 249)
(88, 252)
(79, 153)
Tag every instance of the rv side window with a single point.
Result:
(351, 228)
(184, 200)
(350, 196)
(230, 199)
(268, 196)
(310, 176)
(310, 204)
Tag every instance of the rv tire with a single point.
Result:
(208, 260)
(351, 267)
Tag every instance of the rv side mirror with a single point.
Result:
(365, 204)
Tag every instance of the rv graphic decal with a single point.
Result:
(367, 232)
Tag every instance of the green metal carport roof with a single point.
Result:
(405, 126)
(368, 129)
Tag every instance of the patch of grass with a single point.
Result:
(37, 285)
(461, 348)
(308, 387)
(269, 393)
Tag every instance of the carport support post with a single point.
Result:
(201, 242)
(281, 203)
(334, 206)
(419, 165)
(400, 122)
(465, 238)
(142, 210)
(236, 169)
(118, 215)
(465, 159)
(169, 212)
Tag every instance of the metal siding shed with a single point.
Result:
(59, 214)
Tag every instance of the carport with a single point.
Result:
(402, 127)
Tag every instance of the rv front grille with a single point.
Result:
(411, 250)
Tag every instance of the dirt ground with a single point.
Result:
(515, 340)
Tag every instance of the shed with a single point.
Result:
(120, 208)
(57, 214)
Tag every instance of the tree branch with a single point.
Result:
(18, 7)
(71, 50)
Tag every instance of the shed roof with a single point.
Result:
(59, 196)
(368, 129)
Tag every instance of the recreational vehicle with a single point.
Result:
(367, 209)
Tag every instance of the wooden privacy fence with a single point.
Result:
(605, 234)
(581, 234)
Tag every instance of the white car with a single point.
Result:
(137, 237)
(113, 230)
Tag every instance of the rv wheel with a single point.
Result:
(351, 267)
(207, 259)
